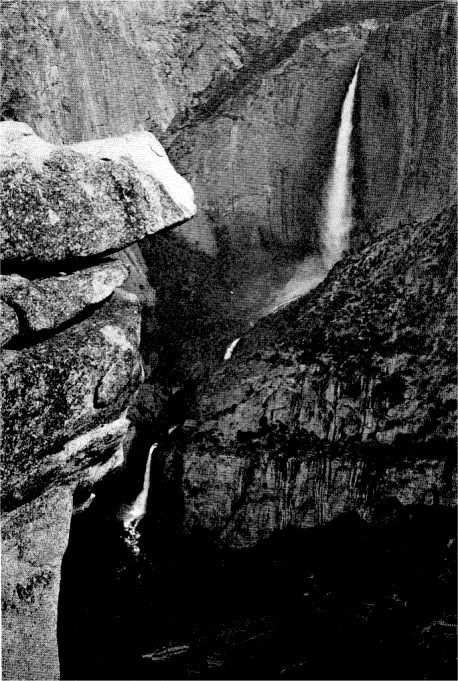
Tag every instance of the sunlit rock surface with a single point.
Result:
(50, 302)
(60, 203)
(34, 539)
(9, 323)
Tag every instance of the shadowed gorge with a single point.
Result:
(228, 325)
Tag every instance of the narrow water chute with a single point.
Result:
(133, 513)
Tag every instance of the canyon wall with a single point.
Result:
(70, 351)
(255, 87)
(265, 153)
(204, 76)
(346, 400)
(406, 120)
(88, 69)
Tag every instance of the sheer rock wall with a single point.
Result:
(405, 127)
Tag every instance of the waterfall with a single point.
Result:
(230, 349)
(131, 514)
(337, 216)
(338, 203)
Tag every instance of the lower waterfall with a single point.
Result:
(131, 514)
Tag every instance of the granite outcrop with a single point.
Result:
(70, 361)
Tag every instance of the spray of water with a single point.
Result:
(131, 514)
(338, 204)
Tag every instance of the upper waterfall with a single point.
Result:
(338, 200)
(337, 215)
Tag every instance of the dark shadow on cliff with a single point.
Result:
(346, 600)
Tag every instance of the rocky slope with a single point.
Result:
(340, 402)
(316, 405)
(70, 361)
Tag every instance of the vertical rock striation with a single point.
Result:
(406, 122)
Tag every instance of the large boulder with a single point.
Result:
(47, 303)
(62, 202)
(63, 387)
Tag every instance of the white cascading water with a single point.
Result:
(131, 514)
(338, 205)
(337, 215)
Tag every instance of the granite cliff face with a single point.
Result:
(84, 70)
(265, 153)
(406, 163)
(248, 85)
(70, 361)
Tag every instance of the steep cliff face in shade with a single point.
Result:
(406, 119)
(264, 155)
(337, 403)
(151, 59)
(348, 398)
(34, 539)
(70, 360)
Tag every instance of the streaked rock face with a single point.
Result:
(406, 161)
(336, 403)
(34, 540)
(259, 164)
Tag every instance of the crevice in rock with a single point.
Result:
(27, 339)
